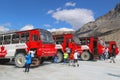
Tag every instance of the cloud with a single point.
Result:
(50, 12)
(3, 29)
(76, 17)
(46, 25)
(70, 4)
(56, 22)
(27, 27)
(60, 29)
(7, 24)
(58, 9)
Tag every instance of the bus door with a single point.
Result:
(95, 50)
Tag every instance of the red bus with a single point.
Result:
(64, 41)
(92, 47)
(15, 45)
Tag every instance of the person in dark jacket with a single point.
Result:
(28, 61)
(112, 56)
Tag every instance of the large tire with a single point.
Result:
(35, 62)
(85, 56)
(60, 56)
(20, 60)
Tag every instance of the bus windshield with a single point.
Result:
(76, 39)
(46, 36)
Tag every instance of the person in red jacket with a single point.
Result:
(71, 59)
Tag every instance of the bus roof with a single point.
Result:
(11, 32)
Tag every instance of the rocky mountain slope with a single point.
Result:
(106, 26)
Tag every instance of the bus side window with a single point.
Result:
(88, 41)
(24, 37)
(7, 39)
(15, 38)
(34, 37)
(59, 40)
(1, 40)
(27, 36)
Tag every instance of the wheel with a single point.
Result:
(35, 62)
(20, 60)
(60, 56)
(85, 56)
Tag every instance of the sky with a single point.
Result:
(52, 15)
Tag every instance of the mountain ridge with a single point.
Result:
(106, 26)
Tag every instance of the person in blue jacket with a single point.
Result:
(28, 61)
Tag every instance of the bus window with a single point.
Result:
(59, 40)
(25, 37)
(7, 39)
(1, 40)
(15, 38)
(83, 41)
(88, 41)
(46, 36)
(34, 37)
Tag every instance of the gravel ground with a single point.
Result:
(88, 70)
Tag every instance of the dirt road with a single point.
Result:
(88, 70)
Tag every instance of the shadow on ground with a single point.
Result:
(115, 75)
(43, 64)
(12, 64)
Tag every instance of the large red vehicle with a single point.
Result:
(92, 47)
(64, 41)
(15, 45)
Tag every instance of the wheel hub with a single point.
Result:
(20, 60)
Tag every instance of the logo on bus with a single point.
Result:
(3, 52)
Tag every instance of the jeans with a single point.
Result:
(27, 66)
(65, 60)
(112, 59)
